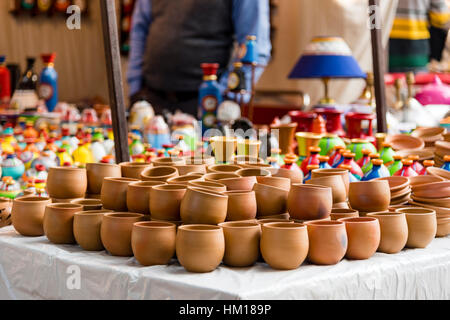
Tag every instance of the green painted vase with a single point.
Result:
(396, 165)
(328, 142)
(387, 154)
(357, 146)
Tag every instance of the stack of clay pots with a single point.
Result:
(65, 184)
(400, 190)
(442, 149)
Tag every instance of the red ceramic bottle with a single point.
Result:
(349, 161)
(290, 163)
(365, 158)
(406, 170)
(417, 166)
(335, 154)
(426, 164)
(313, 158)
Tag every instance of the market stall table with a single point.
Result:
(33, 268)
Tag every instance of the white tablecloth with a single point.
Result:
(33, 268)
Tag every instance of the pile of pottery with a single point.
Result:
(400, 190)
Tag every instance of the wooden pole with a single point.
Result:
(115, 85)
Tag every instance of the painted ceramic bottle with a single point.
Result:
(365, 158)
(351, 177)
(63, 156)
(323, 162)
(328, 143)
(48, 83)
(313, 158)
(251, 51)
(355, 169)
(209, 95)
(416, 166)
(335, 155)
(310, 168)
(406, 170)
(358, 145)
(12, 167)
(426, 164)
(5, 81)
(396, 165)
(387, 153)
(446, 165)
(368, 165)
(290, 164)
(273, 162)
(376, 171)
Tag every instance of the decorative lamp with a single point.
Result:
(326, 58)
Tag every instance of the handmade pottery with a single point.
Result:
(335, 183)
(88, 204)
(309, 202)
(369, 196)
(438, 172)
(396, 183)
(241, 205)
(253, 172)
(165, 201)
(86, 229)
(270, 220)
(418, 180)
(282, 183)
(403, 141)
(224, 148)
(168, 161)
(283, 216)
(191, 168)
(422, 226)
(199, 159)
(394, 231)
(133, 169)
(219, 176)
(318, 173)
(66, 182)
(443, 227)
(363, 236)
(337, 214)
(138, 196)
(96, 172)
(201, 206)
(114, 193)
(440, 202)
(423, 154)
(160, 173)
(305, 140)
(184, 179)
(58, 222)
(239, 183)
(433, 190)
(27, 215)
(270, 200)
(296, 176)
(223, 168)
(341, 205)
(214, 186)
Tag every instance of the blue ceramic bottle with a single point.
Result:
(377, 171)
(48, 87)
(251, 52)
(209, 95)
(446, 165)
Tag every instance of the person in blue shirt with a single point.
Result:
(170, 39)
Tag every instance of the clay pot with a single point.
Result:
(203, 206)
(271, 220)
(153, 242)
(254, 172)
(224, 148)
(54, 200)
(245, 161)
(422, 226)
(419, 180)
(168, 161)
(114, 193)
(438, 172)
(423, 154)
(27, 215)
(165, 201)
(58, 222)
(184, 179)
(327, 242)
(241, 205)
(200, 248)
(191, 168)
(296, 176)
(96, 172)
(309, 202)
(369, 196)
(363, 236)
(214, 186)
(284, 245)
(394, 231)
(241, 243)
(199, 159)
(396, 183)
(219, 176)
(427, 133)
(88, 204)
(86, 229)
(66, 182)
(222, 168)
(335, 183)
(138, 196)
(133, 170)
(160, 173)
(440, 202)
(435, 190)
(284, 216)
(116, 230)
(239, 183)
(337, 214)
(318, 173)
(282, 183)
(443, 227)
(403, 141)
(270, 200)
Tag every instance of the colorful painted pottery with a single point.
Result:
(341, 213)
(58, 222)
(83, 154)
(311, 159)
(339, 159)
(309, 202)
(406, 170)
(426, 164)
(12, 167)
(114, 193)
(86, 229)
(416, 165)
(368, 166)
(397, 165)
(224, 148)
(387, 153)
(328, 142)
(394, 231)
(422, 226)
(365, 159)
(357, 145)
(378, 171)
(369, 196)
(305, 140)
(133, 170)
(335, 155)
(364, 235)
(355, 169)
(201, 206)
(96, 172)
(323, 162)
(159, 173)
(27, 215)
(165, 201)
(66, 182)
(241, 205)
(285, 133)
(88, 204)
(9, 188)
(270, 200)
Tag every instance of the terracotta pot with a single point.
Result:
(96, 172)
(54, 200)
(419, 180)
(199, 159)
(27, 215)
(318, 173)
(363, 236)
(423, 154)
(403, 141)
(369, 196)
(270, 200)
(396, 183)
(66, 182)
(191, 168)
(434, 190)
(254, 172)
(222, 168)
(284, 216)
(241, 205)
(284, 245)
(252, 165)
(296, 176)
(58, 222)
(239, 183)
(168, 161)
(86, 229)
(282, 183)
(241, 243)
(116, 230)
(327, 242)
(177, 223)
(271, 220)
(336, 184)
(203, 206)
(337, 214)
(114, 193)
(219, 176)
(286, 133)
(430, 132)
(305, 221)
(88, 204)
(214, 186)
(400, 194)
(165, 201)
(133, 169)
(309, 202)
(443, 227)
(153, 242)
(394, 231)
(200, 248)
(422, 226)
(138, 196)
(160, 173)
(184, 179)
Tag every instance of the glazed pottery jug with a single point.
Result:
(239, 183)
(223, 168)
(335, 183)
(168, 161)
(115, 232)
(200, 248)
(422, 226)
(96, 172)
(270, 200)
(317, 173)
(114, 193)
(66, 182)
(224, 148)
(202, 206)
(241, 243)
(133, 169)
(86, 229)
(160, 173)
(369, 196)
(241, 205)
(153, 242)
(165, 201)
(309, 202)
(212, 185)
(138, 196)
(27, 215)
(58, 222)
(284, 245)
(340, 213)
(327, 242)
(88, 204)
(363, 235)
(282, 183)
(394, 231)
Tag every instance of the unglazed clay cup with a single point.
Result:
(133, 170)
(370, 196)
(241, 243)
(363, 235)
(86, 229)
(335, 183)
(202, 206)
(200, 248)
(58, 222)
(254, 172)
(191, 168)
(114, 193)
(159, 173)
(422, 226)
(165, 201)
(184, 179)
(283, 183)
(223, 168)
(153, 242)
(284, 245)
(27, 215)
(318, 173)
(296, 176)
(115, 232)
(327, 242)
(337, 213)
(239, 183)
(394, 231)
(270, 220)
(212, 185)
(309, 202)
(270, 200)
(66, 182)
(168, 161)
(241, 205)
(96, 172)
(88, 204)
(138, 196)
(215, 176)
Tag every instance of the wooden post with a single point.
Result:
(115, 85)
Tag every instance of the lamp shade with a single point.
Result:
(327, 57)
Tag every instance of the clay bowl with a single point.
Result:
(86, 229)
(296, 176)
(199, 159)
(422, 226)
(427, 133)
(66, 182)
(115, 232)
(423, 154)
(160, 173)
(400, 194)
(443, 227)
(270, 200)
(446, 137)
(168, 161)
(133, 169)
(271, 220)
(58, 222)
(200, 248)
(367, 196)
(396, 183)
(363, 234)
(241, 205)
(88, 204)
(419, 180)
(138, 196)
(337, 214)
(335, 183)
(241, 243)
(327, 242)
(440, 211)
(239, 183)
(27, 215)
(438, 172)
(201, 206)
(401, 200)
(191, 168)
(114, 193)
(394, 231)
(253, 172)
(433, 190)
(442, 148)
(245, 161)
(219, 176)
(403, 141)
(184, 179)
(283, 216)
(318, 173)
(214, 186)
(97, 171)
(282, 183)
(284, 245)
(440, 202)
(153, 243)
(222, 168)
(165, 201)
(309, 202)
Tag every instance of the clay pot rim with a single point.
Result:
(65, 206)
(199, 228)
(418, 178)
(426, 186)
(231, 175)
(239, 225)
(237, 178)
(322, 178)
(239, 192)
(120, 179)
(134, 164)
(409, 211)
(146, 184)
(284, 225)
(208, 192)
(32, 199)
(310, 186)
(344, 210)
(268, 186)
(443, 220)
(359, 183)
(145, 173)
(272, 220)
(202, 158)
(213, 167)
(101, 164)
(267, 173)
(183, 178)
(154, 225)
(66, 169)
(352, 220)
(208, 183)
(385, 214)
(272, 178)
(171, 160)
(170, 187)
(324, 223)
(86, 201)
(93, 212)
(423, 132)
(123, 215)
(397, 186)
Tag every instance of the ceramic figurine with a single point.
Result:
(406, 170)
(356, 169)
(313, 158)
(365, 158)
(12, 167)
(290, 164)
(416, 166)
(97, 149)
(377, 171)
(9, 188)
(318, 125)
(310, 168)
(323, 162)
(63, 156)
(47, 159)
(140, 115)
(339, 160)
(328, 142)
(396, 165)
(387, 154)
(183, 147)
(37, 176)
(357, 145)
(82, 154)
(446, 165)
(157, 132)
(426, 164)
(108, 159)
(108, 144)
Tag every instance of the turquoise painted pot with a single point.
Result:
(357, 146)
(328, 142)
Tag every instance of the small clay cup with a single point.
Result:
(254, 172)
(165, 201)
(223, 168)
(66, 182)
(296, 176)
(58, 222)
(370, 196)
(96, 172)
(168, 161)
(191, 168)
(282, 183)
(337, 214)
(138, 196)
(212, 185)
(86, 229)
(270, 200)
(317, 173)
(309, 202)
(114, 193)
(394, 231)
(241, 205)
(335, 183)
(422, 226)
(219, 176)
(133, 170)
(363, 235)
(239, 183)
(27, 215)
(184, 179)
(88, 204)
(202, 206)
(160, 173)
